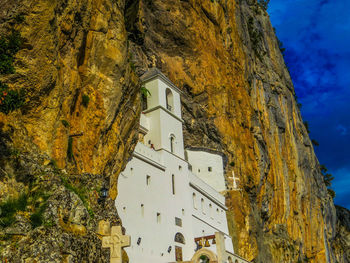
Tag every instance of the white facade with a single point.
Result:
(158, 196)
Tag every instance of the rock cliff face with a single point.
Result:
(77, 65)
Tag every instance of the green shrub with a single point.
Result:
(65, 123)
(10, 100)
(80, 191)
(85, 100)
(9, 46)
(9, 208)
(19, 18)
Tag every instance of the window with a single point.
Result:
(173, 183)
(202, 205)
(209, 169)
(210, 210)
(183, 211)
(169, 100)
(148, 180)
(178, 221)
(158, 218)
(142, 210)
(144, 101)
(179, 238)
(199, 170)
(124, 209)
(172, 143)
(194, 200)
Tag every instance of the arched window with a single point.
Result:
(172, 143)
(194, 200)
(230, 260)
(202, 205)
(169, 100)
(173, 183)
(179, 238)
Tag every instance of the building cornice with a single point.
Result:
(149, 161)
(164, 109)
(155, 73)
(209, 196)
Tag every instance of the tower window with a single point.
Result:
(202, 205)
(158, 218)
(148, 180)
(172, 142)
(169, 100)
(144, 101)
(194, 200)
(209, 169)
(173, 183)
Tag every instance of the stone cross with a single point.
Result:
(234, 181)
(116, 241)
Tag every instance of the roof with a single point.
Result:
(154, 73)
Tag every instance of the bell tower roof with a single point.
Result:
(154, 73)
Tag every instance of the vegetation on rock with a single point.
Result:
(10, 100)
(85, 99)
(9, 46)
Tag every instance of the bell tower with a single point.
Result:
(163, 112)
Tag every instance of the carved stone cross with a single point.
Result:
(116, 241)
(234, 181)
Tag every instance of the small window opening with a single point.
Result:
(209, 169)
(148, 180)
(158, 218)
(183, 211)
(172, 141)
(173, 183)
(202, 205)
(194, 200)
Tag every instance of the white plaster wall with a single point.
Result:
(157, 88)
(157, 197)
(200, 162)
(170, 125)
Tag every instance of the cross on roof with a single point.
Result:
(116, 241)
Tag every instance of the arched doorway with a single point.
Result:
(204, 255)
(179, 238)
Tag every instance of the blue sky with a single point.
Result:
(316, 35)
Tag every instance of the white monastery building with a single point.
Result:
(169, 199)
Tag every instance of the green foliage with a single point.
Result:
(9, 46)
(10, 207)
(10, 100)
(264, 4)
(144, 91)
(280, 46)
(327, 178)
(70, 149)
(315, 143)
(19, 18)
(80, 191)
(85, 100)
(306, 124)
(65, 123)
(255, 37)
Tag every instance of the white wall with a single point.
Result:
(201, 161)
(157, 197)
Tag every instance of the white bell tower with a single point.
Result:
(163, 113)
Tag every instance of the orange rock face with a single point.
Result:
(238, 94)
(82, 109)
